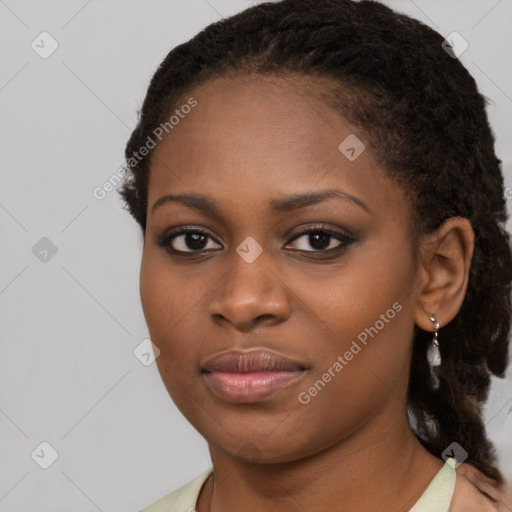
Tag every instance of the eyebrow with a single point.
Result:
(281, 205)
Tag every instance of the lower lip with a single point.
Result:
(249, 387)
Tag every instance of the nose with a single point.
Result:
(250, 294)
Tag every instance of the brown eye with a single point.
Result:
(321, 239)
(187, 241)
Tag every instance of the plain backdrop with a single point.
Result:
(69, 302)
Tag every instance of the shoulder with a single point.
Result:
(182, 499)
(476, 492)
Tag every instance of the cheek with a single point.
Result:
(366, 292)
(366, 317)
(168, 299)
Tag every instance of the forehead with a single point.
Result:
(260, 137)
(263, 112)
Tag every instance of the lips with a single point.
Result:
(247, 377)
(253, 361)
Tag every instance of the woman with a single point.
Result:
(325, 269)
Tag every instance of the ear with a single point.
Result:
(444, 262)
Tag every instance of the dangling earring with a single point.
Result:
(433, 354)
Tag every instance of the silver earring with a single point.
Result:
(433, 354)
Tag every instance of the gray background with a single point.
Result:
(70, 324)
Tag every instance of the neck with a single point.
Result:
(381, 467)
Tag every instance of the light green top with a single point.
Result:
(436, 498)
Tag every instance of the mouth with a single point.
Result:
(248, 377)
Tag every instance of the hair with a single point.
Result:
(426, 123)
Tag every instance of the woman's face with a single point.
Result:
(339, 305)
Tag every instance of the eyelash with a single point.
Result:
(164, 241)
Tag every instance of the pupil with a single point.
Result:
(195, 240)
(319, 240)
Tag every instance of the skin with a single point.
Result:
(248, 141)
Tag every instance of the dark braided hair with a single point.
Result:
(426, 124)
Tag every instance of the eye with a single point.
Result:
(187, 240)
(322, 239)
(194, 240)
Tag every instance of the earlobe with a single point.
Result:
(444, 263)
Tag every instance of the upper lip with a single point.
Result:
(238, 361)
